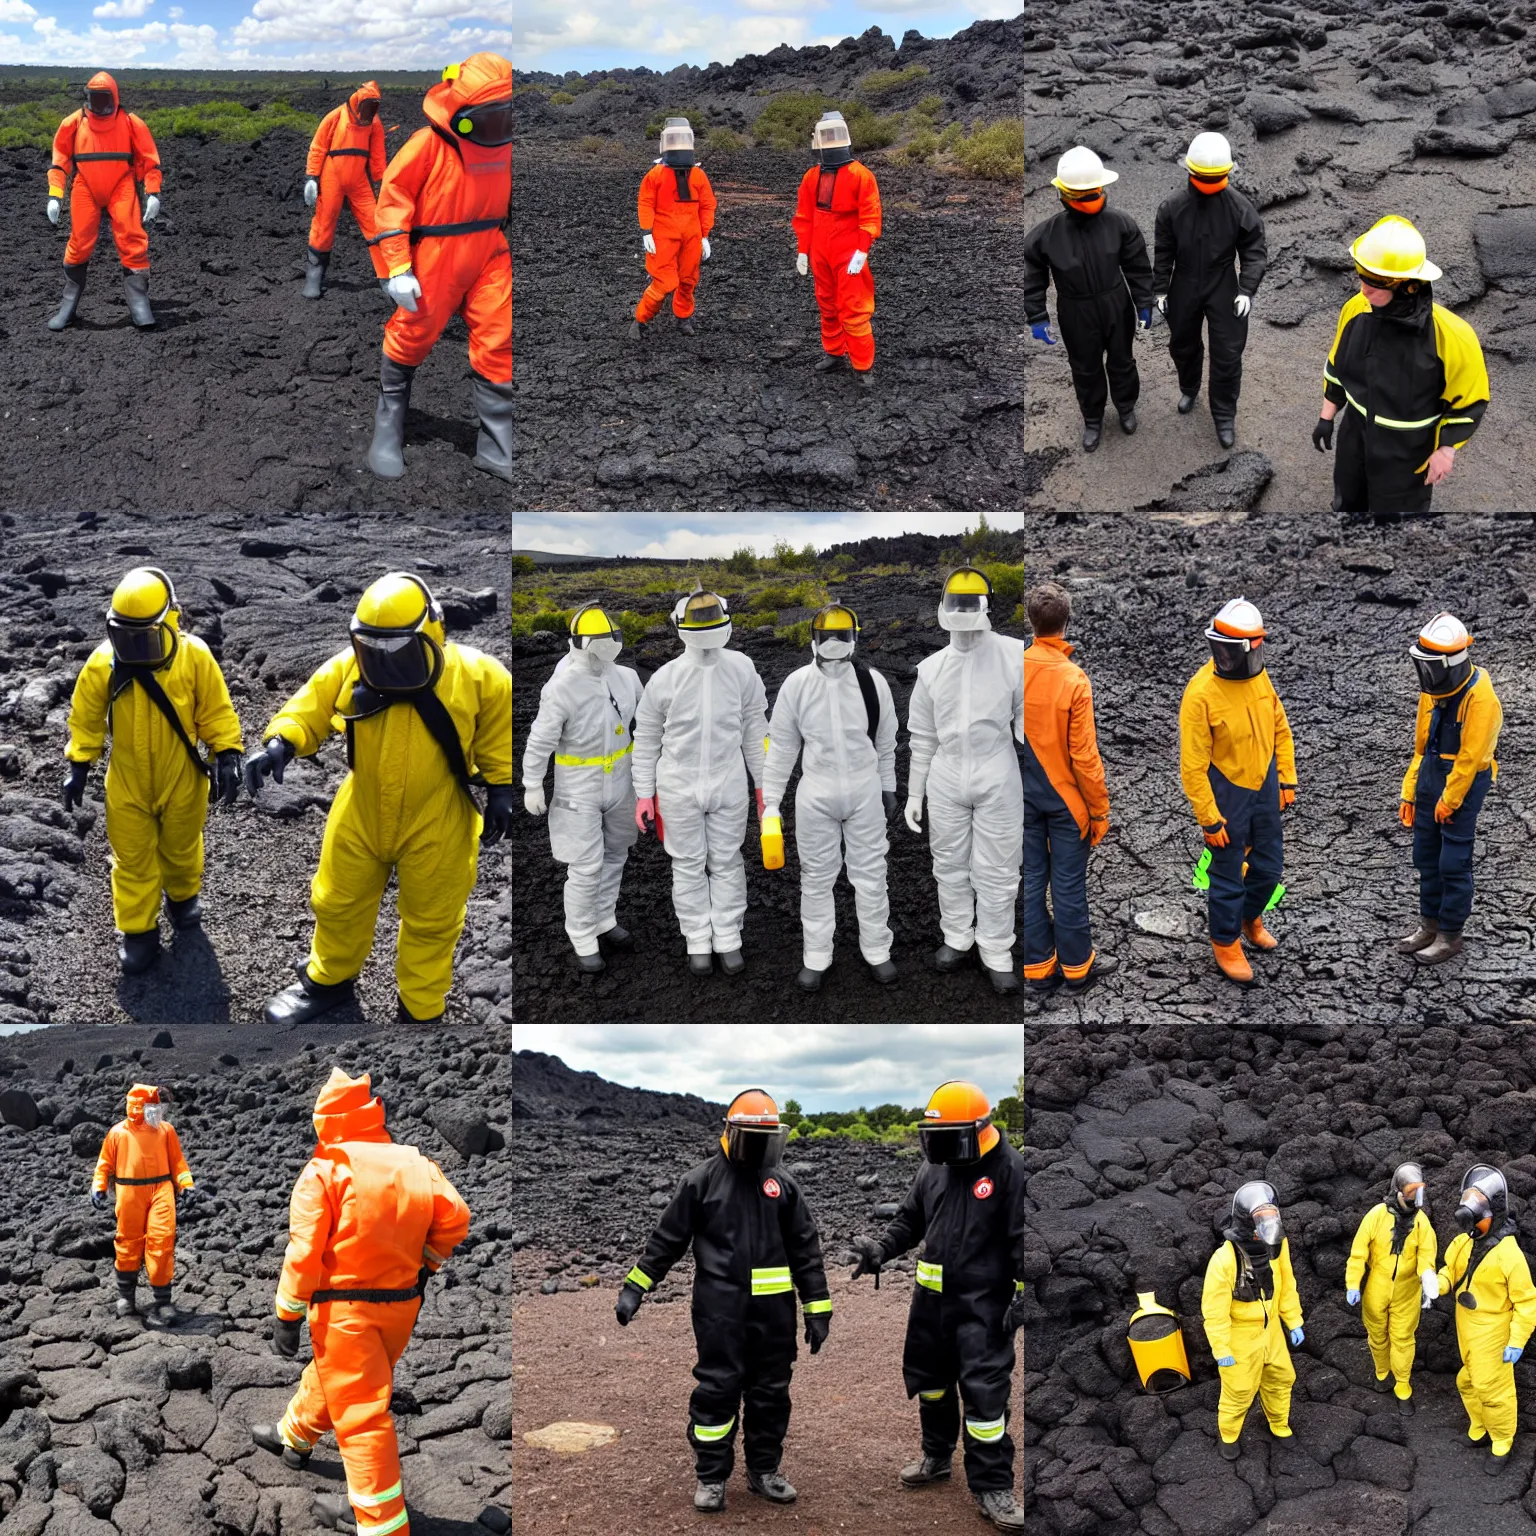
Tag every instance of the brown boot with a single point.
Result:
(1421, 937)
(1446, 947)
(1234, 964)
(1258, 935)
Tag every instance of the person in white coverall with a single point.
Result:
(586, 711)
(842, 714)
(966, 707)
(700, 727)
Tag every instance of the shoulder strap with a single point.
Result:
(151, 685)
(433, 714)
(871, 700)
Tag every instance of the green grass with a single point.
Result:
(993, 151)
(32, 124)
(881, 83)
(231, 121)
(797, 634)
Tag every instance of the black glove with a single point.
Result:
(871, 1258)
(1013, 1319)
(890, 802)
(498, 814)
(285, 1337)
(98, 1199)
(816, 1327)
(1322, 435)
(270, 759)
(226, 775)
(628, 1303)
(188, 1196)
(74, 784)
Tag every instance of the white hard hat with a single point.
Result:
(1080, 170)
(1240, 620)
(1209, 155)
(1236, 639)
(1446, 635)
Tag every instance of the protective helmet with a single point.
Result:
(702, 620)
(677, 142)
(1157, 1345)
(834, 632)
(1484, 1200)
(1391, 251)
(364, 102)
(831, 139)
(1080, 170)
(142, 621)
(1440, 657)
(346, 1109)
(397, 635)
(753, 1136)
(474, 99)
(594, 632)
(144, 1104)
(1408, 1187)
(1210, 155)
(101, 95)
(964, 604)
(1256, 1215)
(957, 1124)
(1236, 638)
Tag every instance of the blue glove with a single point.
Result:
(1041, 331)
(1298, 1335)
(1351, 1297)
(1225, 1360)
(1512, 1353)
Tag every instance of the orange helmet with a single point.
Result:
(957, 1124)
(753, 1136)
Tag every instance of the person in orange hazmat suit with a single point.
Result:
(677, 212)
(346, 157)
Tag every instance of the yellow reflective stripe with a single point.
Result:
(565, 760)
(1405, 426)
(1355, 403)
(373, 1500)
(932, 1397)
(930, 1276)
(1332, 377)
(770, 1282)
(714, 1431)
(290, 1308)
(1018, 1285)
(367, 1528)
(1446, 421)
(811, 1307)
(640, 1278)
(984, 1429)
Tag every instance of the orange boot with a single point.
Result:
(1233, 963)
(1258, 935)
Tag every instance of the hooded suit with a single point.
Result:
(346, 156)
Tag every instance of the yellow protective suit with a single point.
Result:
(1481, 718)
(1505, 1314)
(157, 801)
(400, 809)
(1392, 1296)
(1254, 1334)
(1237, 728)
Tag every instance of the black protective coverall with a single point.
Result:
(754, 1245)
(970, 1218)
(1197, 237)
(1102, 275)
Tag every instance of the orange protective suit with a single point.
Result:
(346, 156)
(679, 226)
(441, 209)
(365, 1215)
(146, 1163)
(109, 157)
(838, 213)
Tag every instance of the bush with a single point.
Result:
(922, 146)
(951, 137)
(636, 626)
(842, 563)
(861, 1133)
(822, 1133)
(557, 622)
(771, 596)
(788, 558)
(1007, 581)
(522, 565)
(742, 563)
(883, 82)
(797, 634)
(596, 145)
(561, 99)
(993, 151)
(764, 615)
(229, 120)
(1011, 1112)
(870, 132)
(695, 117)
(722, 141)
(786, 122)
(930, 106)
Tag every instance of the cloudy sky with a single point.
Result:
(667, 535)
(824, 1066)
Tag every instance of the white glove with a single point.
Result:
(311, 191)
(151, 208)
(53, 210)
(915, 813)
(649, 243)
(1161, 301)
(859, 262)
(802, 265)
(707, 251)
(404, 290)
(1241, 305)
(1431, 1283)
(534, 802)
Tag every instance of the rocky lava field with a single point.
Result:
(1337, 113)
(107, 1427)
(734, 416)
(1152, 1098)
(273, 602)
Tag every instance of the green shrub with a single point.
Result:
(993, 151)
(522, 565)
(870, 132)
(797, 634)
(922, 146)
(861, 1133)
(771, 596)
(822, 1133)
(665, 587)
(699, 121)
(636, 626)
(807, 594)
(742, 563)
(1007, 581)
(930, 106)
(232, 121)
(561, 99)
(1011, 1112)
(557, 622)
(722, 141)
(601, 148)
(950, 137)
(786, 122)
(763, 615)
(881, 83)
(1018, 614)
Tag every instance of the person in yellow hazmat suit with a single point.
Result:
(158, 693)
(1396, 1243)
(1238, 765)
(426, 721)
(1250, 1307)
(1486, 1271)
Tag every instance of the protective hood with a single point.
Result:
(347, 1110)
(1484, 1205)
(831, 140)
(1409, 1192)
(363, 104)
(484, 81)
(1255, 1217)
(143, 620)
(101, 99)
(397, 635)
(139, 1096)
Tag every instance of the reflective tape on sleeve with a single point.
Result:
(639, 1277)
(811, 1307)
(984, 1429)
(566, 760)
(770, 1282)
(930, 1276)
(711, 1432)
(932, 1397)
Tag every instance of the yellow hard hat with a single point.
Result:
(957, 1124)
(836, 616)
(397, 634)
(968, 582)
(1393, 249)
(141, 619)
(1157, 1345)
(590, 619)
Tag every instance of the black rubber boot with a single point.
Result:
(1004, 983)
(946, 959)
(268, 1438)
(884, 973)
(315, 263)
(493, 448)
(1186, 404)
(1230, 1450)
(865, 378)
(126, 1286)
(701, 965)
(74, 286)
(830, 361)
(162, 1311)
(1092, 432)
(809, 980)
(136, 952)
(403, 1015)
(330, 1509)
(687, 327)
(591, 965)
(386, 456)
(1045, 984)
(1128, 421)
(185, 914)
(732, 962)
(617, 938)
(306, 1000)
(636, 331)
(136, 291)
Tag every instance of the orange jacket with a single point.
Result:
(103, 150)
(840, 214)
(341, 135)
(1060, 743)
(663, 213)
(365, 1214)
(132, 1150)
(438, 178)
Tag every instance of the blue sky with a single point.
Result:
(823, 1066)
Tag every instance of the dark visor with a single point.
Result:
(703, 615)
(137, 645)
(950, 1143)
(753, 1148)
(367, 109)
(393, 663)
(491, 123)
(100, 102)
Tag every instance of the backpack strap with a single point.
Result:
(432, 713)
(122, 679)
(871, 701)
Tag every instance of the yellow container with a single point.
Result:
(773, 842)
(1157, 1346)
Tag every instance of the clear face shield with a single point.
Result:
(594, 634)
(1408, 1187)
(1236, 659)
(677, 142)
(1440, 673)
(392, 661)
(1255, 1210)
(834, 633)
(1484, 1196)
(832, 141)
(154, 1115)
(962, 611)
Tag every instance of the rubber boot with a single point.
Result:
(1405, 1407)
(1234, 964)
(830, 361)
(493, 448)
(74, 286)
(1128, 422)
(1226, 430)
(769, 1485)
(701, 965)
(315, 263)
(403, 1015)
(386, 456)
(1258, 935)
(591, 965)
(330, 1509)
(126, 1286)
(136, 291)
(999, 1508)
(809, 980)
(136, 952)
(1447, 946)
(306, 1000)
(617, 938)
(268, 1438)
(1092, 432)
(1043, 986)
(162, 1311)
(1421, 937)
(1004, 983)
(1102, 966)
(687, 327)
(884, 973)
(732, 962)
(931, 1469)
(1496, 1464)
(866, 379)
(1186, 404)
(709, 1497)
(185, 914)
(1230, 1450)
(948, 960)
(637, 333)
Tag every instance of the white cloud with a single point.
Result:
(178, 45)
(175, 13)
(14, 10)
(121, 8)
(824, 1066)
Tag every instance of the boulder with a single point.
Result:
(18, 1107)
(93, 1477)
(1273, 114)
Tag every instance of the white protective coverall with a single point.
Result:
(838, 811)
(699, 729)
(966, 706)
(585, 710)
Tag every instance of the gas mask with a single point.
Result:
(1408, 1187)
(488, 124)
(1256, 1217)
(1484, 1202)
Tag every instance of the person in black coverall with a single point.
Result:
(967, 1207)
(1098, 260)
(754, 1245)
